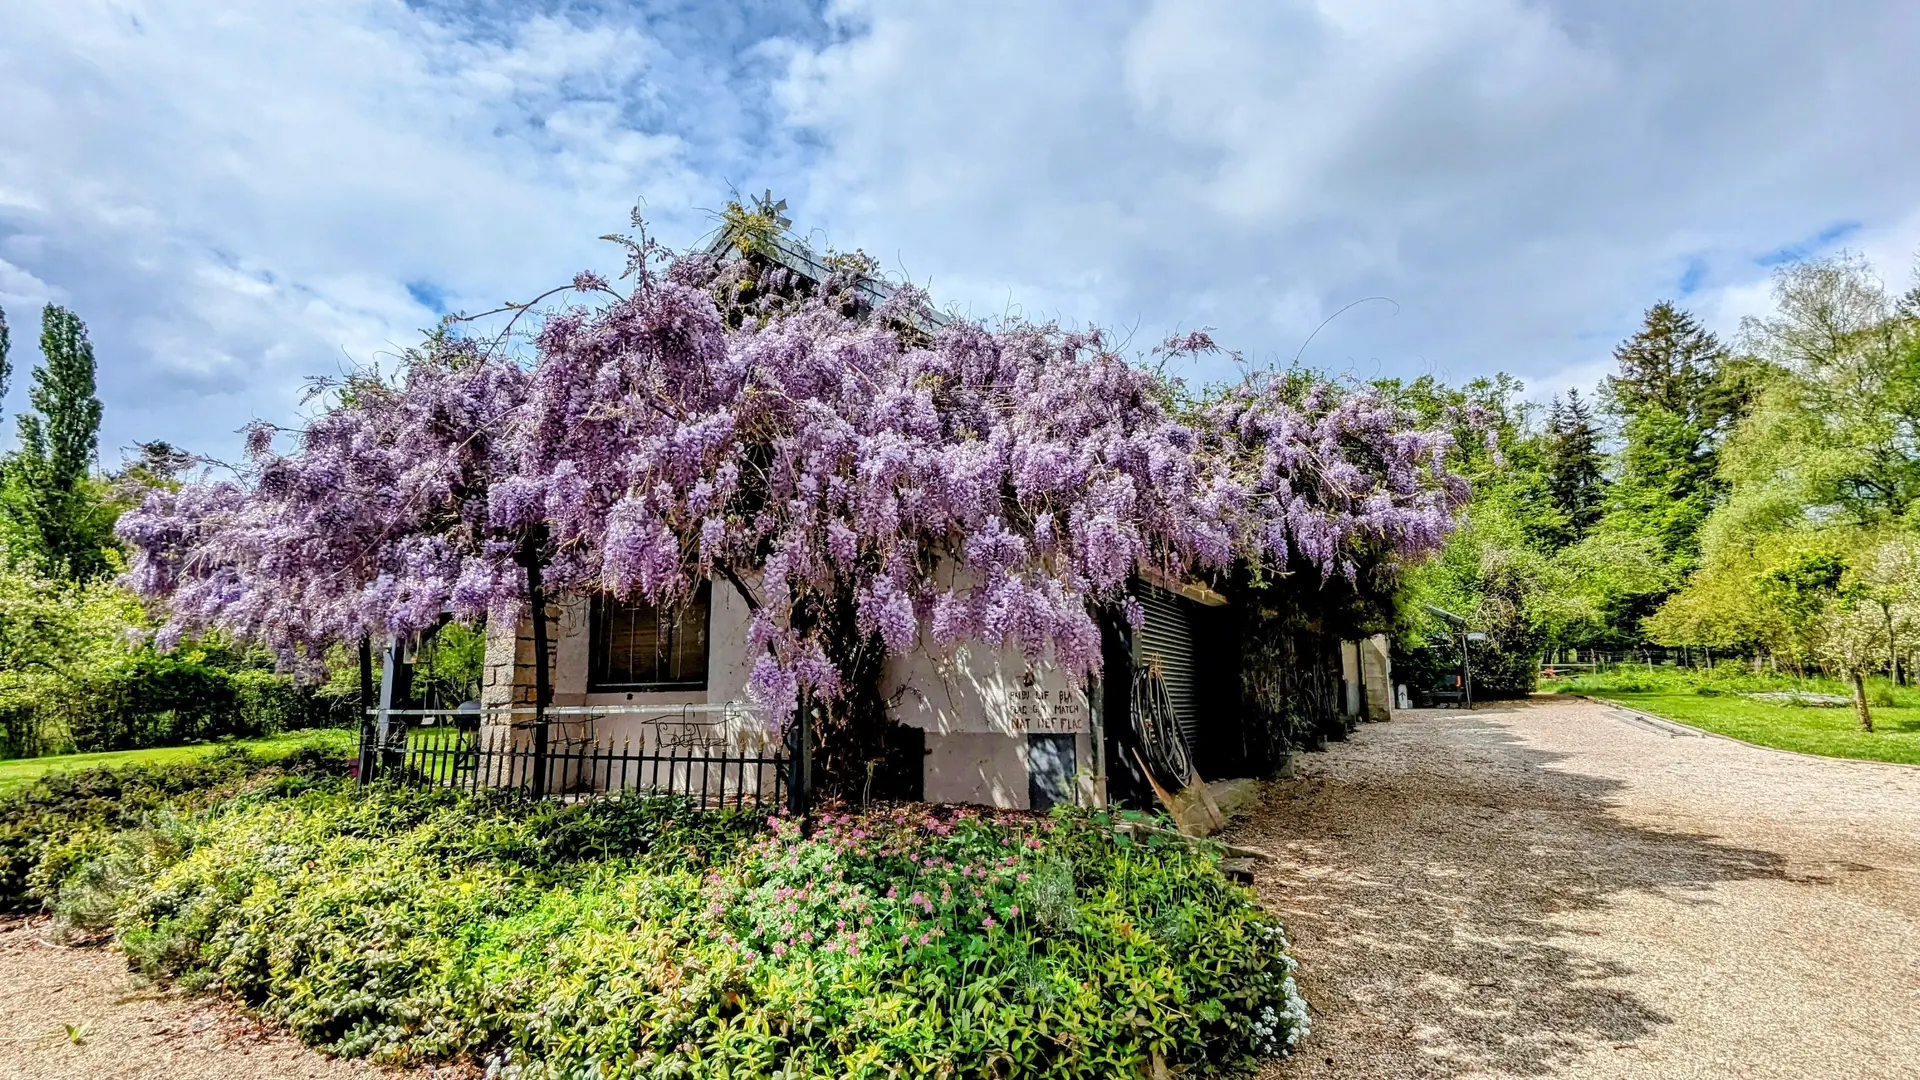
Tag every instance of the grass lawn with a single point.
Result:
(1718, 705)
(17, 771)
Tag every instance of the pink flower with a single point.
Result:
(1013, 912)
(987, 922)
(779, 948)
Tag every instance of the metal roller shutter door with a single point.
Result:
(1167, 635)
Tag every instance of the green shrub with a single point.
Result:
(142, 699)
(633, 938)
(150, 699)
(63, 818)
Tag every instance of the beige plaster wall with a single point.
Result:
(977, 704)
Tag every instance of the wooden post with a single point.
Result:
(537, 599)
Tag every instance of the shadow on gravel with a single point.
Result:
(1420, 890)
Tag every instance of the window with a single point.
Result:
(637, 646)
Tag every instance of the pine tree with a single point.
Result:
(1908, 306)
(1576, 476)
(1672, 364)
(52, 515)
(1674, 405)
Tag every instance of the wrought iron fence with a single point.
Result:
(673, 755)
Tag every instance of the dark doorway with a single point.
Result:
(1049, 770)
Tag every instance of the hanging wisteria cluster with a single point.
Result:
(954, 483)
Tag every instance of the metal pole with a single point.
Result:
(1096, 727)
(1466, 672)
(800, 765)
(367, 745)
(395, 686)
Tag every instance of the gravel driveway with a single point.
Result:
(1556, 889)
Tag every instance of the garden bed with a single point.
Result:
(629, 937)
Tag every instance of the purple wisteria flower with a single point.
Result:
(999, 484)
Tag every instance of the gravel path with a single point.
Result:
(1556, 889)
(130, 1031)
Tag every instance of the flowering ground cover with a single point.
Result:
(630, 938)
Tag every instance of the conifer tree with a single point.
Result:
(1674, 405)
(51, 513)
(1576, 476)
(1672, 364)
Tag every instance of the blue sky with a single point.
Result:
(236, 196)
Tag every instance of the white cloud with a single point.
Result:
(1521, 178)
(238, 196)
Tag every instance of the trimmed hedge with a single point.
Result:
(148, 699)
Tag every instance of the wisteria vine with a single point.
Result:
(715, 422)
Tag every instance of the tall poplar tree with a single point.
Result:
(6, 365)
(52, 515)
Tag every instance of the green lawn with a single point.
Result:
(17, 771)
(1717, 705)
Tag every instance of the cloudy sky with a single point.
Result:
(235, 196)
